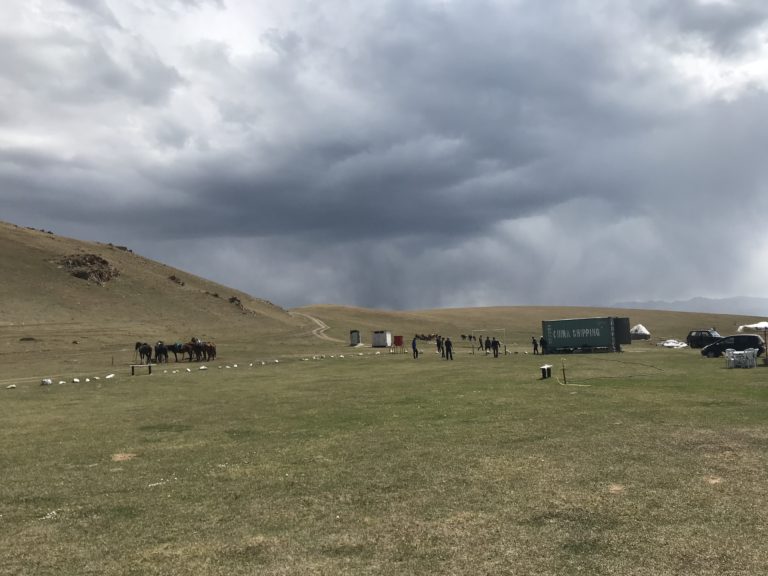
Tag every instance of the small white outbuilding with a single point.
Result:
(381, 339)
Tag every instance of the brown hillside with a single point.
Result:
(66, 296)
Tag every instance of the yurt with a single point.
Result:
(639, 332)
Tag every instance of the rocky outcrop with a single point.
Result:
(90, 267)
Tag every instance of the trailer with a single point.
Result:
(603, 334)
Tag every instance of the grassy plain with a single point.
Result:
(648, 462)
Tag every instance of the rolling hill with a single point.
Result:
(66, 301)
(518, 322)
(63, 297)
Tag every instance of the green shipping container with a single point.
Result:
(604, 334)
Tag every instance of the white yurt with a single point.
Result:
(639, 332)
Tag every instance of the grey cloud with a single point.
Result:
(76, 71)
(169, 133)
(96, 9)
(477, 153)
(725, 25)
(200, 3)
(208, 55)
(143, 77)
(283, 42)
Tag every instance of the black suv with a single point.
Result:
(739, 342)
(700, 338)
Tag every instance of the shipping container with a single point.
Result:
(605, 334)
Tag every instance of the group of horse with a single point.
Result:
(426, 337)
(194, 349)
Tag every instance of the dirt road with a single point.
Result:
(321, 327)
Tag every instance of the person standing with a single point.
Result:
(495, 347)
(535, 345)
(415, 348)
(448, 346)
(543, 345)
(487, 345)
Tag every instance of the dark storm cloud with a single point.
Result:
(456, 149)
(725, 25)
(401, 154)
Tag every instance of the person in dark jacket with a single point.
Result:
(415, 348)
(448, 346)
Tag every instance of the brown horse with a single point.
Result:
(161, 352)
(208, 350)
(193, 348)
(145, 352)
(177, 348)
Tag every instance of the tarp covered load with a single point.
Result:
(672, 343)
(757, 327)
(639, 332)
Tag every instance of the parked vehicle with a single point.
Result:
(739, 342)
(700, 338)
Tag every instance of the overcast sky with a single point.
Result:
(395, 153)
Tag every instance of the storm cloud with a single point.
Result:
(396, 153)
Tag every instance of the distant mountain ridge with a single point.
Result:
(741, 305)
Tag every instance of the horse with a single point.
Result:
(179, 348)
(208, 350)
(145, 352)
(196, 348)
(161, 352)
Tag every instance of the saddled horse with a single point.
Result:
(178, 348)
(195, 347)
(145, 352)
(205, 351)
(161, 352)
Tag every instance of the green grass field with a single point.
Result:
(648, 462)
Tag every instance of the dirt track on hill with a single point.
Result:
(321, 327)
